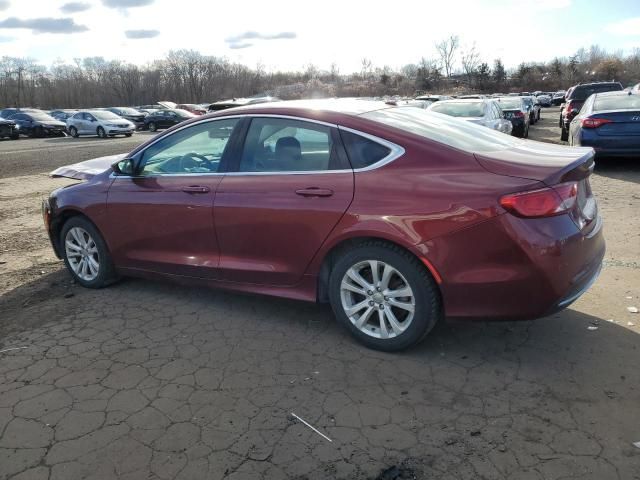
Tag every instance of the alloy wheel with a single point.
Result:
(377, 299)
(82, 254)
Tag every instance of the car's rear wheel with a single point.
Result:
(86, 254)
(73, 131)
(128, 135)
(153, 127)
(525, 134)
(101, 133)
(384, 296)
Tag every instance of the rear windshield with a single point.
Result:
(617, 102)
(509, 103)
(444, 129)
(466, 109)
(583, 92)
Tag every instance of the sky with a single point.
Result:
(289, 35)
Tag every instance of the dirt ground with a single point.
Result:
(157, 381)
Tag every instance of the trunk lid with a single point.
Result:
(547, 163)
(626, 123)
(88, 169)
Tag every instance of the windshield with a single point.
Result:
(42, 117)
(617, 102)
(444, 129)
(509, 103)
(466, 109)
(105, 115)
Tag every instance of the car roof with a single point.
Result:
(347, 106)
(615, 93)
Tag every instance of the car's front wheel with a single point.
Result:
(101, 132)
(152, 127)
(85, 253)
(384, 296)
(73, 131)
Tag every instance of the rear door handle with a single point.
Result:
(195, 189)
(314, 192)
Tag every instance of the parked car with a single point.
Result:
(516, 112)
(102, 123)
(544, 100)
(576, 96)
(193, 108)
(610, 123)
(471, 96)
(36, 123)
(636, 87)
(134, 116)
(482, 112)
(10, 112)
(9, 129)
(558, 97)
(531, 108)
(433, 98)
(166, 118)
(148, 108)
(395, 215)
(240, 102)
(62, 115)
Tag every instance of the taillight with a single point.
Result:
(518, 114)
(594, 122)
(568, 108)
(545, 202)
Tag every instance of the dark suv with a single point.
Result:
(576, 96)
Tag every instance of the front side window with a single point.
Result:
(195, 149)
(287, 145)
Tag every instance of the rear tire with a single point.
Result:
(15, 136)
(80, 239)
(399, 308)
(128, 135)
(526, 132)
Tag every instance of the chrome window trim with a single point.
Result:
(396, 151)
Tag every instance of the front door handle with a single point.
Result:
(195, 189)
(314, 192)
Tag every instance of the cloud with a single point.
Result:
(44, 25)
(75, 7)
(138, 34)
(4, 4)
(238, 46)
(251, 35)
(126, 3)
(629, 27)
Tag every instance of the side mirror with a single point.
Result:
(125, 166)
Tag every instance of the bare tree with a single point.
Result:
(470, 61)
(446, 50)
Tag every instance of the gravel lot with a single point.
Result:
(147, 380)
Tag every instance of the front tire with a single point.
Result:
(153, 127)
(86, 254)
(73, 131)
(101, 132)
(384, 296)
(564, 134)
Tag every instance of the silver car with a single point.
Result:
(102, 123)
(484, 112)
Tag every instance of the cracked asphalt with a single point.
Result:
(148, 380)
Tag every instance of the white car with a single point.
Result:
(482, 111)
(99, 122)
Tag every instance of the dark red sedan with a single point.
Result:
(396, 216)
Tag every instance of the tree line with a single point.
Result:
(186, 76)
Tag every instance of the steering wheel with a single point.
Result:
(193, 157)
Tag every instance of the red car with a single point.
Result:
(395, 215)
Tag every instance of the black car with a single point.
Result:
(9, 129)
(10, 112)
(62, 114)
(576, 97)
(558, 98)
(134, 116)
(166, 118)
(516, 111)
(39, 124)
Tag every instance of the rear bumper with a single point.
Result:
(519, 268)
(611, 146)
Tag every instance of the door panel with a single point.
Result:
(155, 225)
(267, 232)
(292, 187)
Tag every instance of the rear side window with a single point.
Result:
(361, 151)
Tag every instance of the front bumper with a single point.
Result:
(120, 131)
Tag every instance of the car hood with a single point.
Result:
(88, 169)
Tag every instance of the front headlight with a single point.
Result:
(16, 126)
(112, 125)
